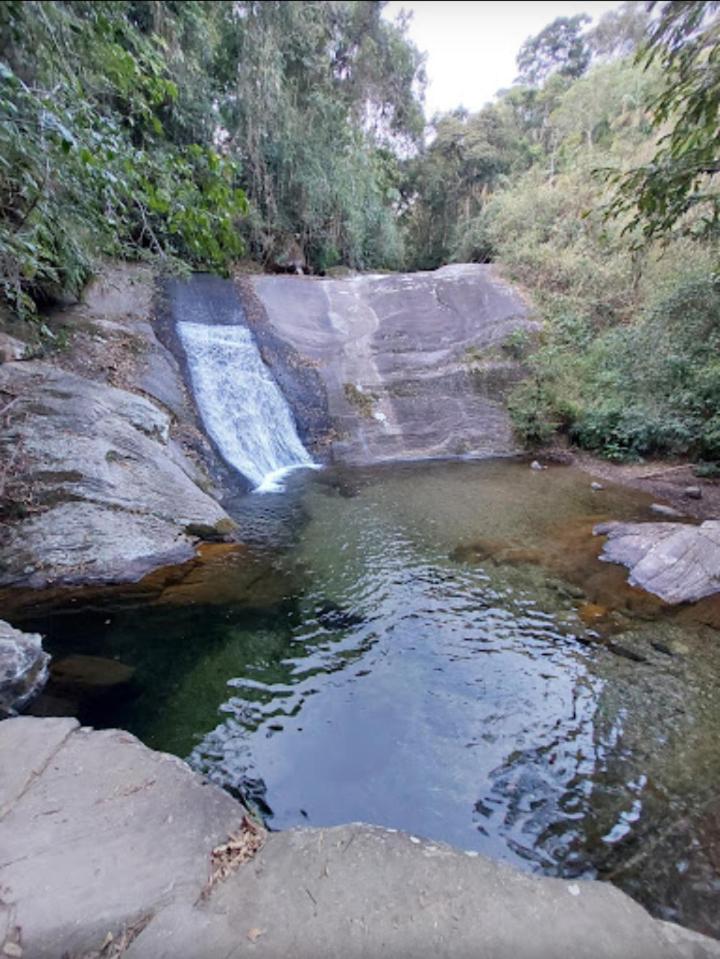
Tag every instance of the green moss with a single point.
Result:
(363, 402)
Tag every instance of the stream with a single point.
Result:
(432, 648)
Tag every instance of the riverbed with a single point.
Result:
(434, 648)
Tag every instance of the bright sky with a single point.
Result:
(472, 46)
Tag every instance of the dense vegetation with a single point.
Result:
(198, 132)
(136, 127)
(595, 186)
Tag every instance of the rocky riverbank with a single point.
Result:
(106, 474)
(112, 849)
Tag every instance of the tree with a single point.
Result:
(620, 32)
(679, 189)
(314, 90)
(559, 48)
(450, 180)
(99, 151)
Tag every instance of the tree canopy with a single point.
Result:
(560, 47)
(191, 131)
(678, 188)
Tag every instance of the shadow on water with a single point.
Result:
(434, 648)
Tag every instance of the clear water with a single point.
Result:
(241, 405)
(435, 648)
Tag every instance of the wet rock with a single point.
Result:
(662, 510)
(220, 532)
(23, 668)
(427, 347)
(675, 561)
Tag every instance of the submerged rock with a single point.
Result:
(662, 510)
(23, 668)
(675, 561)
(332, 616)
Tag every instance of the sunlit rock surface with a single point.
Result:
(414, 365)
(675, 561)
(102, 492)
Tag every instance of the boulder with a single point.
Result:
(678, 562)
(11, 348)
(23, 668)
(97, 832)
(98, 490)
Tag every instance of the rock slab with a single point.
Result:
(678, 562)
(100, 835)
(414, 365)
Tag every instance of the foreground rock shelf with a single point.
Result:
(107, 842)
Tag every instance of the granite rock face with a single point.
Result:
(678, 562)
(99, 479)
(107, 494)
(414, 365)
(23, 668)
(105, 841)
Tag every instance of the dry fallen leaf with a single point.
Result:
(240, 847)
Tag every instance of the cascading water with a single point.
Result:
(240, 404)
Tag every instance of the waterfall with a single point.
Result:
(240, 403)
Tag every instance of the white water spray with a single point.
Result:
(240, 404)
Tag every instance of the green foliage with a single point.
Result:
(678, 189)
(470, 154)
(320, 96)
(142, 128)
(649, 387)
(621, 31)
(86, 164)
(560, 47)
(628, 363)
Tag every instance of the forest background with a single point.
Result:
(194, 134)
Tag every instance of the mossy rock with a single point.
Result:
(219, 532)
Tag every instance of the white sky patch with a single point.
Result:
(472, 46)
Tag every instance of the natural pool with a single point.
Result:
(435, 648)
